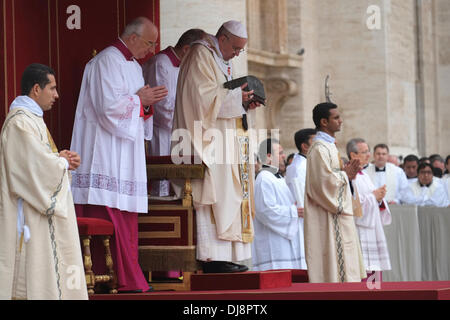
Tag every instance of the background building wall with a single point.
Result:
(391, 83)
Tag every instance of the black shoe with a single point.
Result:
(242, 268)
(222, 267)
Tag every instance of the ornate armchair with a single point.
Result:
(167, 237)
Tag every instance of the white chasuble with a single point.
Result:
(109, 135)
(45, 262)
(370, 225)
(276, 244)
(332, 248)
(209, 113)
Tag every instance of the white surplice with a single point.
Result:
(395, 180)
(276, 244)
(161, 71)
(40, 253)
(370, 225)
(435, 195)
(295, 179)
(109, 135)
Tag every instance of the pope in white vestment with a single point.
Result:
(40, 254)
(223, 199)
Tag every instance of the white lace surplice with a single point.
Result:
(109, 135)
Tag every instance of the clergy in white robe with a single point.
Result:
(332, 248)
(295, 179)
(111, 123)
(223, 199)
(162, 70)
(385, 173)
(375, 212)
(40, 254)
(428, 190)
(276, 244)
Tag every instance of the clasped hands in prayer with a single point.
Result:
(149, 95)
(72, 158)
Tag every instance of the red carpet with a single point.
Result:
(433, 290)
(241, 281)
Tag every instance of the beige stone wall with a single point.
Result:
(442, 18)
(391, 84)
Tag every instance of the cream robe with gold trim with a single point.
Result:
(49, 265)
(332, 248)
(202, 97)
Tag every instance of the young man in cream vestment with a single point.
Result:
(332, 249)
(40, 254)
(222, 200)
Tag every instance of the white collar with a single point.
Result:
(27, 103)
(212, 44)
(324, 137)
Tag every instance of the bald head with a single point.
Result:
(140, 36)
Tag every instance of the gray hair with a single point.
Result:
(136, 26)
(352, 146)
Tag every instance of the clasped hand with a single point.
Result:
(150, 96)
(72, 158)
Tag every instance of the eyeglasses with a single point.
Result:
(426, 172)
(148, 42)
(235, 49)
(364, 152)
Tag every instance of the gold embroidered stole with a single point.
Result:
(247, 206)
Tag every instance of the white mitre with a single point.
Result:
(236, 28)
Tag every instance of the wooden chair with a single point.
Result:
(93, 227)
(167, 234)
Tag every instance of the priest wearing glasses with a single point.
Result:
(223, 198)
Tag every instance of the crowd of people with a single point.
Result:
(407, 184)
(320, 212)
(314, 181)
